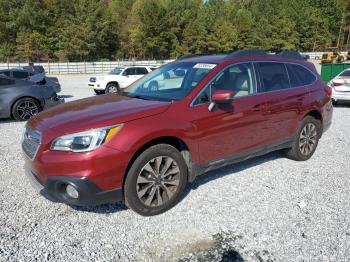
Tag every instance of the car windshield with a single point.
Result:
(116, 71)
(170, 82)
(345, 73)
(324, 56)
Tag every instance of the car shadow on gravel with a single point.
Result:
(7, 121)
(102, 209)
(233, 168)
(65, 96)
(342, 105)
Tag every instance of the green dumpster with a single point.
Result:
(330, 70)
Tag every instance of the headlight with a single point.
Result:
(85, 141)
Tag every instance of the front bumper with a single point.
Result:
(54, 189)
(95, 86)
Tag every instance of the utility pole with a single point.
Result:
(348, 40)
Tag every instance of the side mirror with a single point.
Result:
(221, 97)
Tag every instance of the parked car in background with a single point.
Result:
(145, 145)
(348, 56)
(22, 99)
(341, 86)
(34, 68)
(118, 79)
(26, 74)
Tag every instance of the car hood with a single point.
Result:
(95, 112)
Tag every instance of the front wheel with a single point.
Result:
(155, 180)
(113, 88)
(25, 108)
(306, 140)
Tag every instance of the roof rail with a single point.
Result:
(247, 52)
(261, 52)
(191, 55)
(291, 54)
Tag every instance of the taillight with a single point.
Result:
(55, 81)
(328, 90)
(337, 84)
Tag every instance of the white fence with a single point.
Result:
(103, 67)
(84, 67)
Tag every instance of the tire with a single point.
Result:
(99, 92)
(303, 151)
(113, 88)
(25, 108)
(148, 194)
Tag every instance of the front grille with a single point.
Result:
(31, 142)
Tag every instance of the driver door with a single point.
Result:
(232, 128)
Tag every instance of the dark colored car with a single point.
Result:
(21, 99)
(34, 68)
(181, 120)
(26, 74)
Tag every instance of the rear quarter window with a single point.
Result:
(273, 76)
(299, 75)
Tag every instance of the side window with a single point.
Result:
(299, 76)
(273, 76)
(5, 81)
(6, 73)
(130, 71)
(238, 78)
(20, 74)
(141, 71)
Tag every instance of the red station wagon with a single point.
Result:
(188, 117)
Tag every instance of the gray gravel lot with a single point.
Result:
(264, 209)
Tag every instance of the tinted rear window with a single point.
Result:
(20, 74)
(345, 73)
(6, 73)
(141, 71)
(300, 76)
(273, 76)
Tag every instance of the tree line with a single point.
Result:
(94, 30)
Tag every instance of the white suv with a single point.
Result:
(118, 78)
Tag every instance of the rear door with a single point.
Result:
(285, 98)
(231, 128)
(5, 95)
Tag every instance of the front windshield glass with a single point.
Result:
(116, 71)
(170, 82)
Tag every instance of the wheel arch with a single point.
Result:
(176, 142)
(22, 97)
(112, 82)
(317, 115)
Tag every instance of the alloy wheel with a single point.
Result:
(27, 109)
(113, 89)
(308, 139)
(158, 181)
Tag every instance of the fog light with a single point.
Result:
(72, 192)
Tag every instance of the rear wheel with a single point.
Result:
(306, 141)
(155, 180)
(25, 108)
(113, 88)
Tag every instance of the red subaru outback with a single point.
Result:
(182, 120)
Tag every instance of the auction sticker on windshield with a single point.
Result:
(205, 66)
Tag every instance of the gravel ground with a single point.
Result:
(264, 209)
